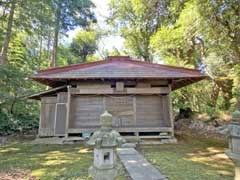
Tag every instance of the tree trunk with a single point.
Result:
(48, 46)
(55, 40)
(4, 51)
(40, 53)
(214, 94)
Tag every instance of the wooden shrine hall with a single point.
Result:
(136, 93)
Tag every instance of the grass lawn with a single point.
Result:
(46, 162)
(190, 159)
(193, 158)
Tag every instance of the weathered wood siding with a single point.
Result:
(85, 111)
(151, 111)
(121, 107)
(140, 106)
(166, 111)
(60, 122)
(47, 116)
(61, 114)
(127, 111)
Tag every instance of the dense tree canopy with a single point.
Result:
(84, 44)
(137, 21)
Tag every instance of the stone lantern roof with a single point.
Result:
(105, 137)
(236, 116)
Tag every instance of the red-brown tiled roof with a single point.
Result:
(119, 67)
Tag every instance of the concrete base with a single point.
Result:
(103, 174)
(158, 141)
(72, 140)
(58, 140)
(236, 159)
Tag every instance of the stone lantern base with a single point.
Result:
(236, 159)
(103, 174)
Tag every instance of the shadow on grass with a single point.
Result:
(47, 161)
(191, 159)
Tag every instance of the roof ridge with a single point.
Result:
(70, 67)
(155, 65)
(111, 60)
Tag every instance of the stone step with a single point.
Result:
(137, 166)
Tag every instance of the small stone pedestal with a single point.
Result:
(234, 143)
(105, 141)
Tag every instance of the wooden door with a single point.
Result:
(60, 121)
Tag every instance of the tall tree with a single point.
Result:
(22, 15)
(181, 43)
(221, 28)
(4, 51)
(69, 14)
(84, 44)
(206, 34)
(137, 21)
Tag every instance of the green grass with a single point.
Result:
(191, 159)
(47, 162)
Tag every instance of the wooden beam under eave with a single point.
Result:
(146, 91)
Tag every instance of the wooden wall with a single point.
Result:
(47, 116)
(143, 105)
(85, 111)
(121, 107)
(127, 111)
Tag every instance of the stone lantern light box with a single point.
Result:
(103, 158)
(234, 142)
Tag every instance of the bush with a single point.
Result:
(12, 124)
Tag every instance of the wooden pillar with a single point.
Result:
(134, 111)
(170, 109)
(68, 109)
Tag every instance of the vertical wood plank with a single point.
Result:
(68, 109)
(47, 116)
(170, 109)
(104, 103)
(134, 111)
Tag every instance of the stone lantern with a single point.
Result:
(234, 142)
(105, 141)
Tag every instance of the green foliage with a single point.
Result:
(196, 96)
(203, 35)
(15, 124)
(28, 39)
(179, 43)
(84, 44)
(137, 21)
(17, 114)
(221, 27)
(73, 13)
